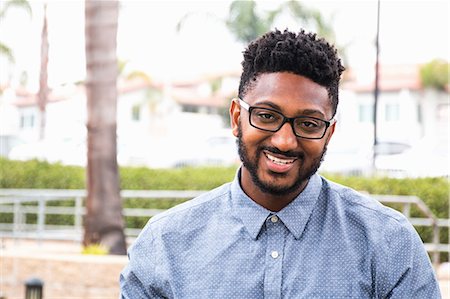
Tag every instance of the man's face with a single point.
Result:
(280, 163)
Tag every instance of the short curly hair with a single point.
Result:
(302, 54)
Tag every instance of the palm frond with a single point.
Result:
(7, 52)
(23, 4)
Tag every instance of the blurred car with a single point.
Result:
(391, 148)
(215, 150)
(427, 158)
(67, 152)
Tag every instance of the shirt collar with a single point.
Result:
(294, 216)
(249, 212)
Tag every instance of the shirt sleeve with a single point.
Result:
(407, 271)
(139, 278)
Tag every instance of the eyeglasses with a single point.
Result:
(271, 120)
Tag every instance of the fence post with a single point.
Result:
(407, 210)
(17, 218)
(78, 213)
(41, 219)
(436, 241)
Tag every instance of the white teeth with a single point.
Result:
(278, 160)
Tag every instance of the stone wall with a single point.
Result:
(65, 275)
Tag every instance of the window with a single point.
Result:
(190, 108)
(392, 112)
(365, 113)
(136, 113)
(27, 121)
(419, 114)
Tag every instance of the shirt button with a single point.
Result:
(274, 219)
(274, 254)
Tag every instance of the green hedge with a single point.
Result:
(43, 175)
(40, 175)
(35, 174)
(204, 178)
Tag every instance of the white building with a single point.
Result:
(158, 125)
(412, 124)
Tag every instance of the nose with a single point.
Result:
(284, 139)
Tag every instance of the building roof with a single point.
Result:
(390, 78)
(25, 98)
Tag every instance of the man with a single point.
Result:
(280, 230)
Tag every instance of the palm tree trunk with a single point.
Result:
(104, 220)
(43, 75)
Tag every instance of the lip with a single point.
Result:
(279, 163)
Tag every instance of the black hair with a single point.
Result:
(302, 54)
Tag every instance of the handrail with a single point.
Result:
(56, 194)
(12, 200)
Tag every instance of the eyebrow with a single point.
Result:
(309, 112)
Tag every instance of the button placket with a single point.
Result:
(274, 254)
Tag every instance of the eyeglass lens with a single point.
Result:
(304, 126)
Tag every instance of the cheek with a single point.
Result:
(252, 136)
(313, 148)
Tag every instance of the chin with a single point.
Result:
(277, 184)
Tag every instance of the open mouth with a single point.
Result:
(279, 160)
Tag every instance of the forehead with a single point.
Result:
(290, 93)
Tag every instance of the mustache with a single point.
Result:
(289, 154)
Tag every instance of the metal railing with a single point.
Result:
(17, 202)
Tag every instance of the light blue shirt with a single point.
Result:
(330, 242)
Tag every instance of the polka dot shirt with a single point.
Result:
(330, 242)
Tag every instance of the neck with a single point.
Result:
(270, 201)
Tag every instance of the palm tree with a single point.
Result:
(104, 222)
(4, 8)
(246, 23)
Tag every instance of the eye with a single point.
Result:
(266, 116)
(309, 124)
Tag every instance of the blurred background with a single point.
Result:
(179, 66)
(119, 125)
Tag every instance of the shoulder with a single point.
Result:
(390, 241)
(397, 258)
(360, 202)
(365, 211)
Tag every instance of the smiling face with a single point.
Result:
(277, 165)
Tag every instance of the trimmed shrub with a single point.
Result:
(204, 178)
(40, 175)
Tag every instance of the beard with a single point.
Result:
(271, 187)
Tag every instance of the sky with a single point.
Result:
(410, 32)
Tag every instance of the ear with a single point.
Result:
(330, 132)
(235, 112)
